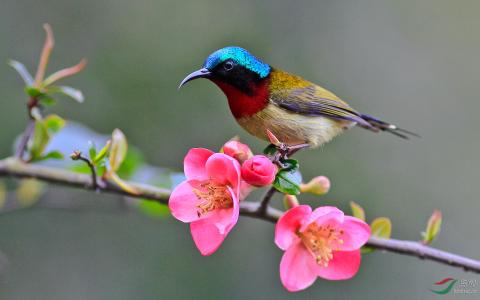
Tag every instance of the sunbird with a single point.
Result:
(298, 112)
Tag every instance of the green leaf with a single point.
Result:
(118, 149)
(130, 164)
(42, 135)
(52, 155)
(357, 211)
(54, 123)
(92, 151)
(289, 178)
(290, 164)
(48, 101)
(381, 227)
(22, 70)
(33, 91)
(270, 150)
(40, 140)
(433, 227)
(102, 153)
(153, 209)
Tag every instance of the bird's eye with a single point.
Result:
(228, 65)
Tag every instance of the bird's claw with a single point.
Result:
(283, 151)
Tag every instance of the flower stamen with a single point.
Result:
(213, 196)
(321, 241)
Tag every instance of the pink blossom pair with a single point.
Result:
(320, 243)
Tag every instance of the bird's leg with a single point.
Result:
(283, 150)
(277, 159)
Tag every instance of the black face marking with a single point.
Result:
(237, 75)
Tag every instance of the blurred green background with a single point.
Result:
(414, 63)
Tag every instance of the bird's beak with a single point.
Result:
(202, 73)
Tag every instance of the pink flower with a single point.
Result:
(208, 199)
(259, 171)
(322, 243)
(237, 150)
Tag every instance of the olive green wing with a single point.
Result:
(313, 100)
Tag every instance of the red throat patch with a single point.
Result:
(241, 104)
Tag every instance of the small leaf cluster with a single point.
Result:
(43, 89)
(45, 128)
(381, 227)
(41, 92)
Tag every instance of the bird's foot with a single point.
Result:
(284, 151)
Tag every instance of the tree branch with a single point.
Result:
(12, 167)
(262, 209)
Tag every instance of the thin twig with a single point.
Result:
(262, 209)
(27, 134)
(14, 168)
(77, 155)
(22, 145)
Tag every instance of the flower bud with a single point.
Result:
(290, 201)
(319, 185)
(237, 150)
(258, 171)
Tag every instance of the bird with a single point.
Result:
(265, 100)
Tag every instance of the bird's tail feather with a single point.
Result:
(379, 125)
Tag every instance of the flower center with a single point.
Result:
(213, 196)
(321, 241)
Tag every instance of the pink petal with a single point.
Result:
(289, 223)
(194, 163)
(327, 212)
(206, 236)
(356, 233)
(344, 265)
(298, 269)
(209, 232)
(324, 215)
(183, 202)
(224, 169)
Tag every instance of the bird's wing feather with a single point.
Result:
(302, 97)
